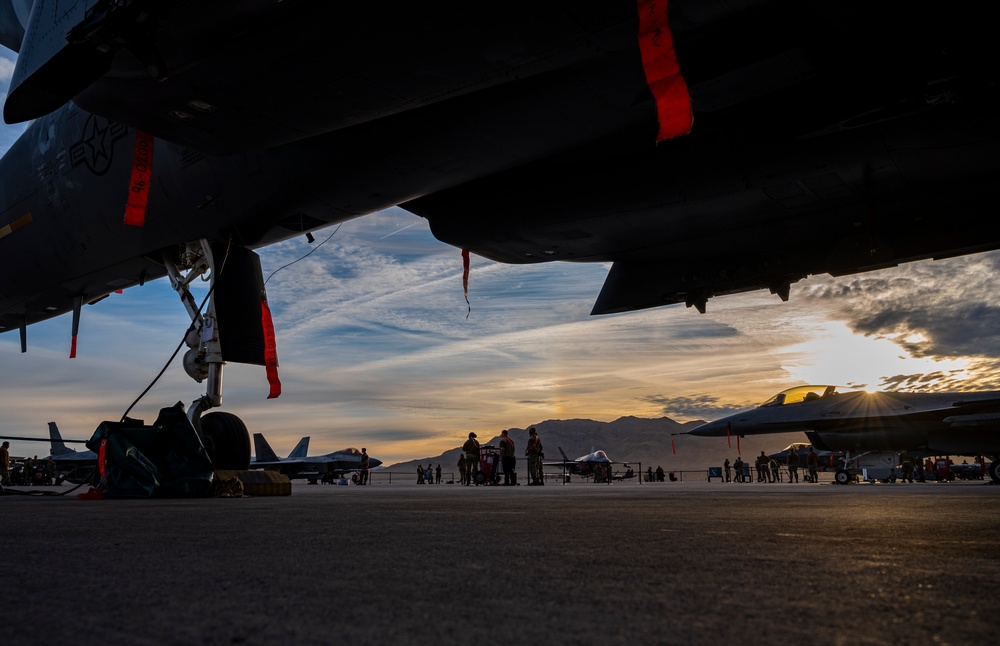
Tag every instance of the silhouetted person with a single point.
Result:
(462, 471)
(726, 467)
(508, 459)
(762, 472)
(5, 463)
(793, 466)
(907, 465)
(364, 466)
(812, 463)
(535, 456)
(437, 474)
(659, 473)
(471, 448)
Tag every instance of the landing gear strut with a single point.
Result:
(224, 435)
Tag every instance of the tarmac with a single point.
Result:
(628, 563)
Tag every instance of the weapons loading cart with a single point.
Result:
(489, 466)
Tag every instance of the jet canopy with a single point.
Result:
(800, 394)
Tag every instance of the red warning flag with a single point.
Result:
(663, 74)
(738, 452)
(142, 173)
(672, 447)
(270, 349)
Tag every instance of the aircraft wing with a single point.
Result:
(955, 422)
(545, 120)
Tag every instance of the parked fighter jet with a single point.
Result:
(299, 465)
(65, 457)
(876, 427)
(596, 463)
(264, 453)
(72, 465)
(827, 459)
(734, 146)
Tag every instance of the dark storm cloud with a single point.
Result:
(931, 309)
(705, 407)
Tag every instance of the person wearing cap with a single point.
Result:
(471, 448)
(535, 455)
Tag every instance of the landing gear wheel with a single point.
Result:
(993, 468)
(843, 477)
(479, 478)
(355, 479)
(227, 441)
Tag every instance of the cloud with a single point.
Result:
(945, 308)
(700, 407)
(376, 350)
(6, 71)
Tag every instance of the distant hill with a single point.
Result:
(628, 439)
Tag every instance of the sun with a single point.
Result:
(835, 355)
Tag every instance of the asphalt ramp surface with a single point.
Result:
(630, 563)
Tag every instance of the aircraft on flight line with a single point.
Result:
(65, 456)
(876, 427)
(75, 466)
(264, 453)
(299, 465)
(583, 465)
(724, 148)
(827, 459)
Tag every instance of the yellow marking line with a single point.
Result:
(8, 229)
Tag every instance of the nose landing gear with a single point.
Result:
(224, 435)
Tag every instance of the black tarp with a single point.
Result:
(165, 460)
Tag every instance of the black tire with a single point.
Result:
(993, 469)
(479, 478)
(355, 478)
(227, 441)
(843, 477)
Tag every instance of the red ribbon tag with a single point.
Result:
(663, 74)
(270, 349)
(142, 173)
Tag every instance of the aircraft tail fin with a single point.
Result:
(301, 449)
(262, 450)
(58, 446)
(565, 457)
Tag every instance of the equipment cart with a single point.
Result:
(489, 466)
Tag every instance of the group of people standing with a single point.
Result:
(428, 475)
(472, 454)
(768, 469)
(31, 471)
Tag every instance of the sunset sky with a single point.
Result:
(376, 350)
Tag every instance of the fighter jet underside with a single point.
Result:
(703, 148)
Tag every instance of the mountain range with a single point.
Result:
(642, 443)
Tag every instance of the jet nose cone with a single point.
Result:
(710, 429)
